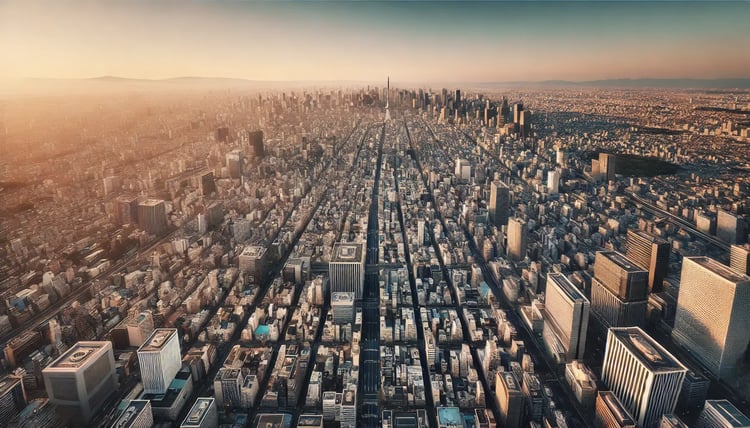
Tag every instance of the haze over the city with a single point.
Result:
(420, 42)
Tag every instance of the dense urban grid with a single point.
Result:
(363, 257)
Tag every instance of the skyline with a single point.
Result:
(419, 42)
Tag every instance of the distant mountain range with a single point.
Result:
(634, 83)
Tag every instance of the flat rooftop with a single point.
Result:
(158, 338)
(647, 236)
(649, 352)
(620, 260)
(347, 252)
(720, 269)
(342, 297)
(253, 251)
(131, 412)
(7, 383)
(310, 421)
(79, 354)
(198, 412)
(617, 409)
(151, 202)
(566, 286)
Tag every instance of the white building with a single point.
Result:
(160, 360)
(347, 268)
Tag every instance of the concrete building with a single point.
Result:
(607, 166)
(516, 239)
(649, 253)
(203, 414)
(610, 412)
(553, 182)
(342, 306)
(642, 374)
(235, 163)
(152, 216)
(567, 319)
(160, 359)
(712, 320)
(253, 261)
(510, 399)
(82, 378)
(499, 208)
(619, 290)
(463, 169)
(137, 414)
(347, 268)
(12, 398)
(729, 227)
(739, 258)
(721, 414)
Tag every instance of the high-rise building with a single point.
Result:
(721, 414)
(517, 109)
(152, 216)
(127, 210)
(499, 203)
(21, 347)
(253, 261)
(12, 398)
(82, 378)
(463, 169)
(137, 414)
(222, 134)
(642, 374)
(650, 253)
(347, 268)
(342, 306)
(255, 140)
(712, 320)
(140, 328)
(567, 318)
(160, 360)
(227, 387)
(203, 414)
(619, 290)
(553, 182)
(516, 239)
(610, 412)
(739, 258)
(607, 165)
(235, 163)
(207, 183)
(729, 227)
(510, 399)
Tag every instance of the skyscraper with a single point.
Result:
(82, 378)
(729, 227)
(619, 290)
(255, 140)
(347, 268)
(712, 319)
(12, 398)
(510, 399)
(642, 374)
(160, 360)
(649, 253)
(152, 216)
(721, 414)
(739, 258)
(499, 203)
(607, 165)
(235, 163)
(567, 316)
(516, 239)
(553, 182)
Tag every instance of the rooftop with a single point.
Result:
(717, 268)
(198, 412)
(158, 338)
(729, 412)
(253, 251)
(7, 383)
(151, 202)
(566, 286)
(131, 412)
(649, 352)
(616, 407)
(79, 354)
(347, 252)
(620, 260)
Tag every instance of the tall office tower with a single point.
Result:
(253, 261)
(553, 182)
(160, 360)
(561, 157)
(516, 239)
(227, 387)
(607, 165)
(127, 210)
(517, 109)
(499, 203)
(458, 97)
(342, 306)
(650, 253)
(152, 216)
(255, 140)
(140, 328)
(12, 398)
(421, 228)
(82, 378)
(388, 99)
(111, 184)
(610, 413)
(347, 268)
(619, 290)
(739, 258)
(222, 134)
(235, 163)
(729, 227)
(137, 414)
(463, 169)
(524, 123)
(348, 409)
(712, 320)
(642, 374)
(567, 316)
(203, 414)
(721, 414)
(510, 399)
(207, 183)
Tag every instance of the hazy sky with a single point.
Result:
(413, 42)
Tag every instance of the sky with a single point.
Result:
(416, 42)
